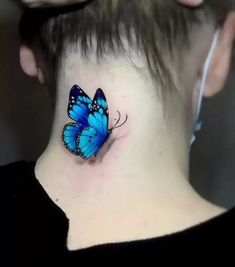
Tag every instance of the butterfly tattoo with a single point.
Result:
(90, 131)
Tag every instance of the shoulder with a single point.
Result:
(34, 229)
(13, 176)
(13, 169)
(10, 168)
(217, 220)
(227, 218)
(18, 186)
(219, 229)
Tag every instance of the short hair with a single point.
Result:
(155, 27)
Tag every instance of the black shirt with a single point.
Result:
(35, 231)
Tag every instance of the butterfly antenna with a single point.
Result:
(117, 120)
(120, 124)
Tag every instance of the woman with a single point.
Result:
(135, 195)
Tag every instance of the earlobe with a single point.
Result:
(220, 65)
(29, 65)
(28, 61)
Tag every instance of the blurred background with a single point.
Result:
(24, 100)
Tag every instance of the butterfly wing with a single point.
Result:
(89, 142)
(93, 137)
(70, 136)
(98, 116)
(79, 105)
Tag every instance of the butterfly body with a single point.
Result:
(90, 131)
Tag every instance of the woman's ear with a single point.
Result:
(220, 65)
(29, 64)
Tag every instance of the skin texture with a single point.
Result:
(46, 3)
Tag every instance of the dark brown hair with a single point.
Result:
(154, 27)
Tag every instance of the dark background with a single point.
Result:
(23, 102)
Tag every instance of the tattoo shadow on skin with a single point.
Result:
(102, 153)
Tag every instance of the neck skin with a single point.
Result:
(143, 177)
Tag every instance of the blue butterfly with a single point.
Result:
(90, 131)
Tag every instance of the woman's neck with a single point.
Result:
(147, 145)
(144, 171)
